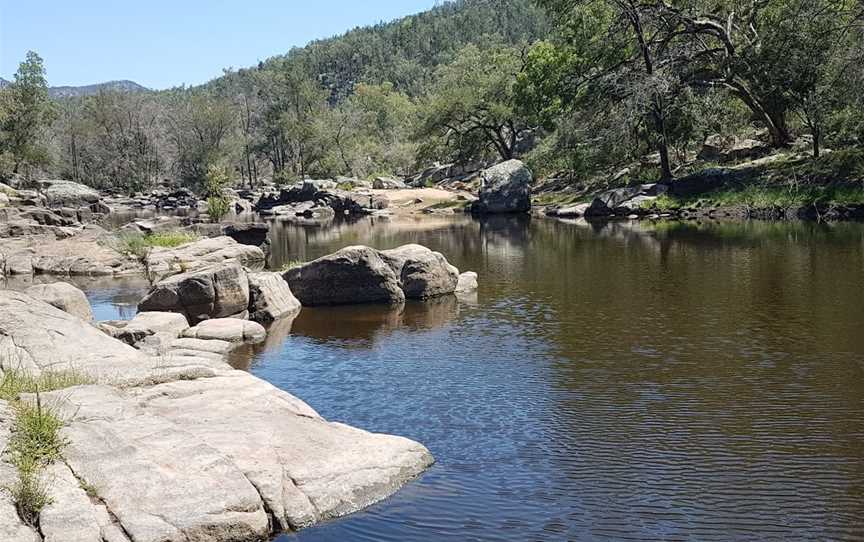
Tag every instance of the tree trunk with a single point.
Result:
(817, 136)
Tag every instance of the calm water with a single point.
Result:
(606, 383)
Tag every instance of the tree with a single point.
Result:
(623, 56)
(201, 126)
(757, 49)
(472, 108)
(27, 112)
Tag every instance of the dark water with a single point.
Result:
(669, 382)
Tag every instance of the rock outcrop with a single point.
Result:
(354, 274)
(171, 448)
(216, 291)
(65, 297)
(60, 193)
(504, 188)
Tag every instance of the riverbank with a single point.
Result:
(781, 186)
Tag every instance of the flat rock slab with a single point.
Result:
(160, 481)
(305, 468)
(37, 337)
(227, 329)
(165, 261)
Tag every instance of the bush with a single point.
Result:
(218, 207)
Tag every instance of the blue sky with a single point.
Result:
(163, 43)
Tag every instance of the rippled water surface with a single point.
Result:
(669, 382)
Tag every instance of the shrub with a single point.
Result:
(218, 207)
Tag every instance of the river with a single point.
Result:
(628, 381)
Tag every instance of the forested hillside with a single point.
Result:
(578, 88)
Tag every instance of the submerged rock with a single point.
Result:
(65, 297)
(505, 188)
(354, 274)
(467, 282)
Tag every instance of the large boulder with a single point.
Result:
(59, 193)
(505, 188)
(216, 291)
(65, 297)
(422, 273)
(354, 274)
(270, 298)
(716, 148)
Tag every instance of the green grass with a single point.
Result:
(291, 264)
(139, 244)
(13, 382)
(35, 441)
(764, 197)
(169, 239)
(347, 186)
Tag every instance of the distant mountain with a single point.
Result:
(3, 82)
(89, 90)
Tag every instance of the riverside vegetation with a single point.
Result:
(592, 94)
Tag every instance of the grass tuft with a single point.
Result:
(35, 441)
(139, 245)
(291, 264)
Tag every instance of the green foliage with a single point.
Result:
(26, 113)
(15, 382)
(471, 111)
(218, 207)
(216, 180)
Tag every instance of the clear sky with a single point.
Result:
(163, 43)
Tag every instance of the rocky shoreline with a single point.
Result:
(165, 441)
